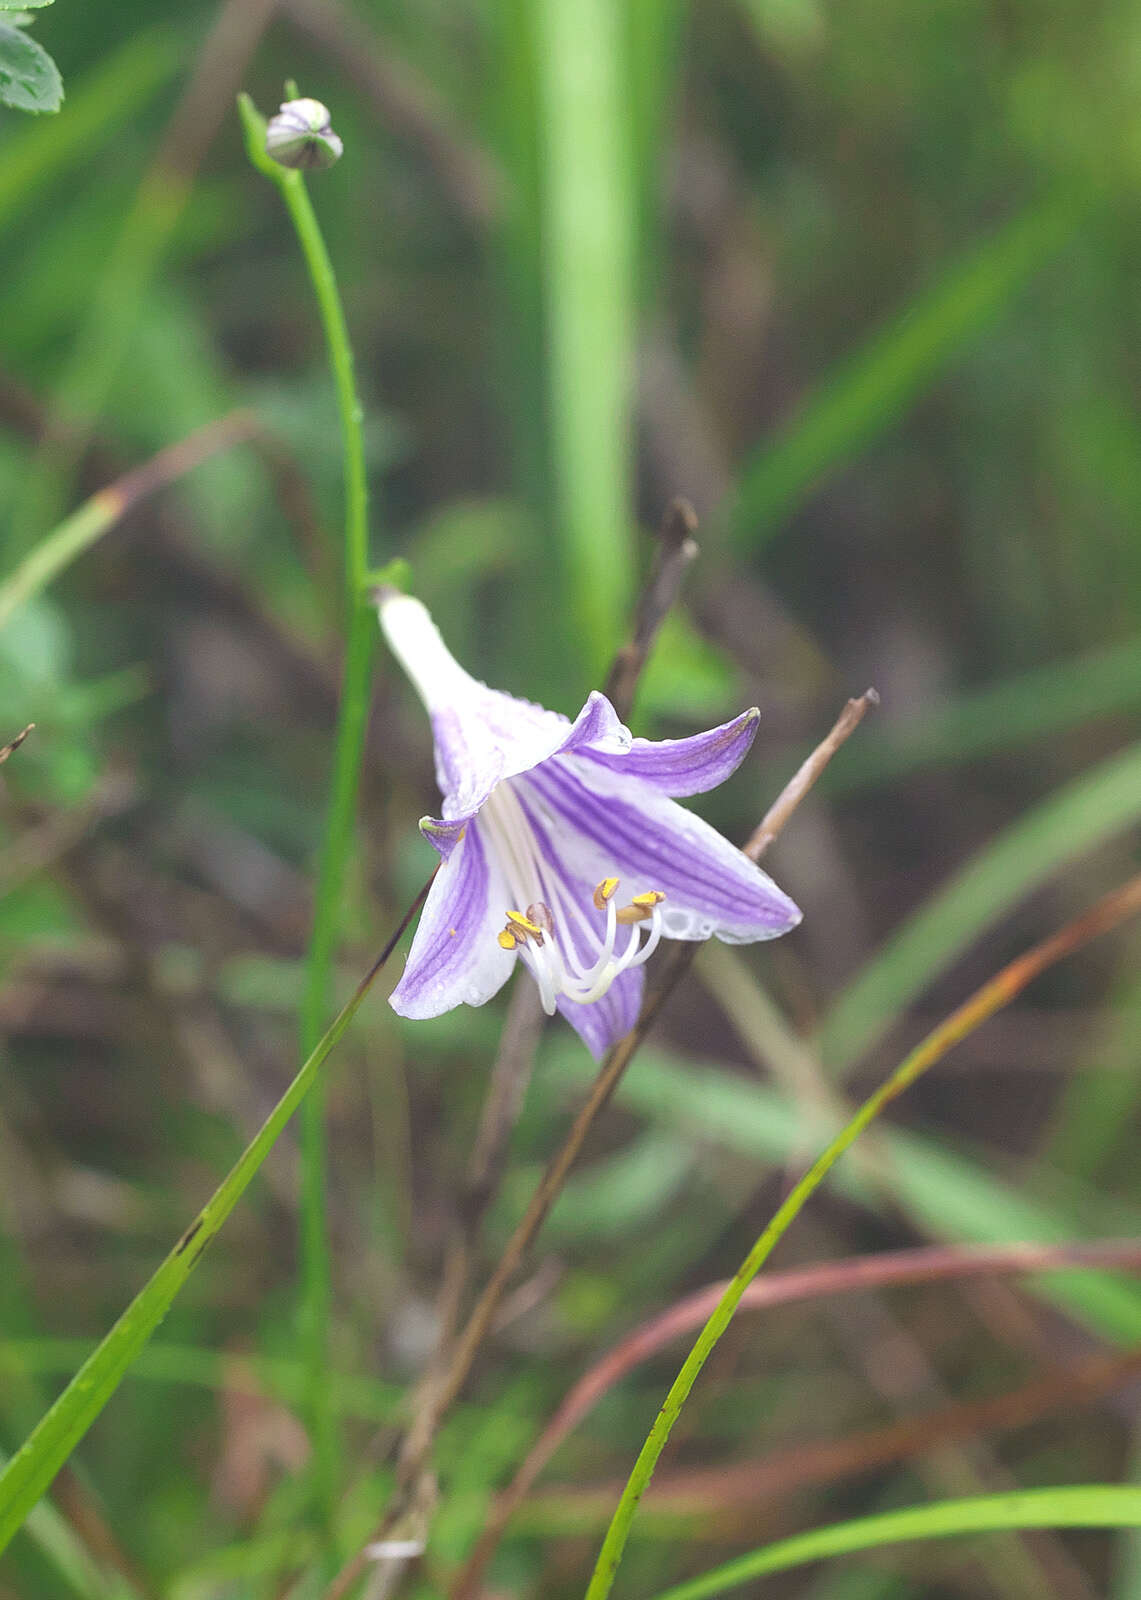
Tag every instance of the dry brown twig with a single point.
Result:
(391, 1544)
(14, 744)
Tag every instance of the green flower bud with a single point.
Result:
(301, 136)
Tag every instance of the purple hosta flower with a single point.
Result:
(563, 849)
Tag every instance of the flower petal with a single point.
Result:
(608, 825)
(481, 735)
(686, 766)
(455, 957)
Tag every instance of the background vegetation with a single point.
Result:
(860, 281)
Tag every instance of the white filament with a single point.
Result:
(555, 964)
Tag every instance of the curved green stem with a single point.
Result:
(352, 719)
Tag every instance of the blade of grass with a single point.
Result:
(872, 388)
(78, 532)
(588, 266)
(32, 1468)
(1067, 824)
(1109, 912)
(1078, 1506)
(340, 817)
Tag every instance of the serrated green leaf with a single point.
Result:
(29, 78)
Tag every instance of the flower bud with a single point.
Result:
(301, 136)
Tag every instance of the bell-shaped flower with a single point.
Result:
(562, 847)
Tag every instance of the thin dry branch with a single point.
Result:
(677, 550)
(798, 786)
(14, 744)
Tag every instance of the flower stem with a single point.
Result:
(1112, 909)
(352, 719)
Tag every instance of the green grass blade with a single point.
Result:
(1063, 827)
(31, 1470)
(1080, 1506)
(588, 267)
(873, 388)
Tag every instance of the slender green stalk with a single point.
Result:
(587, 264)
(352, 718)
(998, 992)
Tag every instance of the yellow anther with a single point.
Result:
(641, 907)
(604, 892)
(520, 921)
(507, 939)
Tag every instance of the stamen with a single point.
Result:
(541, 913)
(566, 951)
(641, 907)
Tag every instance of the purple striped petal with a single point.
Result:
(686, 766)
(443, 835)
(455, 957)
(607, 825)
(481, 735)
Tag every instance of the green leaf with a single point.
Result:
(1078, 1506)
(23, 5)
(29, 78)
